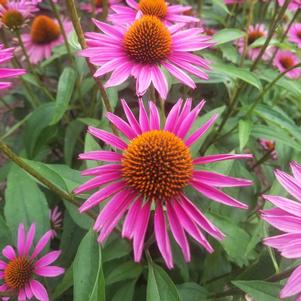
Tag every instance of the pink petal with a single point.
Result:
(292, 286)
(47, 259)
(41, 244)
(220, 157)
(30, 236)
(131, 118)
(162, 235)
(173, 115)
(154, 116)
(38, 290)
(159, 81)
(107, 156)
(49, 271)
(9, 252)
(143, 119)
(130, 220)
(28, 291)
(21, 239)
(98, 170)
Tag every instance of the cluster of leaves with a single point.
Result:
(50, 136)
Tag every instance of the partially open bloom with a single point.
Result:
(15, 13)
(287, 218)
(88, 7)
(294, 34)
(166, 12)
(285, 60)
(5, 56)
(45, 34)
(55, 216)
(269, 146)
(255, 32)
(143, 50)
(293, 5)
(151, 168)
(19, 269)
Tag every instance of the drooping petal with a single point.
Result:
(292, 286)
(130, 220)
(220, 157)
(39, 290)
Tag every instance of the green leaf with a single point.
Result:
(5, 234)
(159, 285)
(125, 292)
(125, 271)
(221, 4)
(64, 92)
(191, 291)
(237, 72)
(227, 35)
(260, 290)
(25, 203)
(36, 124)
(244, 131)
(64, 284)
(87, 271)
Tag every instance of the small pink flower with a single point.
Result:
(286, 217)
(255, 32)
(45, 34)
(293, 5)
(19, 269)
(294, 34)
(143, 50)
(150, 169)
(15, 13)
(88, 7)
(166, 12)
(285, 60)
(269, 146)
(55, 216)
(5, 56)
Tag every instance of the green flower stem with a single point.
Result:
(105, 9)
(82, 42)
(6, 150)
(6, 104)
(264, 158)
(270, 35)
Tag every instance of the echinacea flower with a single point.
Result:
(45, 34)
(286, 59)
(286, 217)
(143, 50)
(294, 34)
(15, 13)
(5, 56)
(150, 170)
(166, 12)
(293, 5)
(88, 7)
(269, 146)
(254, 33)
(55, 217)
(19, 269)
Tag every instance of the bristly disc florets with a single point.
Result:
(157, 164)
(147, 41)
(157, 8)
(12, 18)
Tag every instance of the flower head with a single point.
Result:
(143, 50)
(5, 56)
(55, 216)
(45, 34)
(88, 7)
(287, 218)
(285, 60)
(269, 146)
(14, 14)
(19, 269)
(255, 32)
(158, 8)
(150, 170)
(294, 34)
(293, 5)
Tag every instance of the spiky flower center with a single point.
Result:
(44, 30)
(98, 3)
(3, 2)
(157, 164)
(18, 272)
(287, 62)
(157, 8)
(254, 35)
(147, 41)
(12, 18)
(299, 34)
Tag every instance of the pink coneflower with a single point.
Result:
(14, 14)
(143, 50)
(293, 5)
(294, 34)
(287, 218)
(45, 34)
(285, 60)
(269, 146)
(19, 269)
(5, 56)
(255, 32)
(55, 217)
(88, 7)
(157, 8)
(150, 171)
